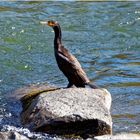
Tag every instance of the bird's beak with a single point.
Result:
(49, 23)
(44, 22)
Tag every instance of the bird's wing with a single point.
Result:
(69, 57)
(74, 65)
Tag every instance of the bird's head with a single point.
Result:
(50, 23)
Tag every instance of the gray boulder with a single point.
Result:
(81, 112)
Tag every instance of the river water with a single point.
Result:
(104, 37)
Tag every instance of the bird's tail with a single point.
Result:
(91, 86)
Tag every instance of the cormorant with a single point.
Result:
(67, 63)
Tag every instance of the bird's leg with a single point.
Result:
(69, 85)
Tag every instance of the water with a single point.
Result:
(105, 37)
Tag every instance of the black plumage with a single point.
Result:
(67, 63)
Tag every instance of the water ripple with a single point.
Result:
(105, 37)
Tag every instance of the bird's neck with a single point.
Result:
(57, 39)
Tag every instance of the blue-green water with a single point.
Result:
(104, 36)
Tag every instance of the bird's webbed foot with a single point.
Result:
(69, 85)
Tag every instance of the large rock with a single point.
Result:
(74, 111)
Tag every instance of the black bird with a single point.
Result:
(67, 63)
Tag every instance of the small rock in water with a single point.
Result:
(11, 135)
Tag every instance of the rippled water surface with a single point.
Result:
(105, 37)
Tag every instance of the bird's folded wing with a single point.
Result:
(76, 68)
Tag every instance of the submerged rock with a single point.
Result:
(74, 111)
